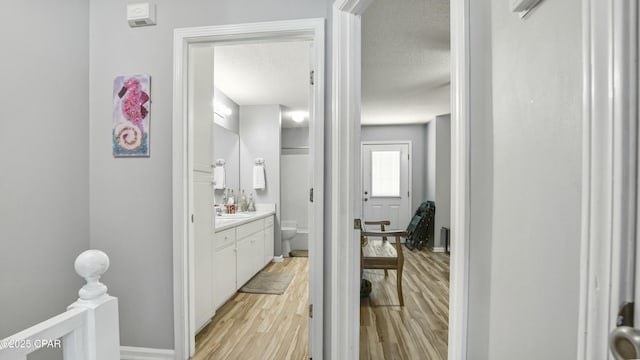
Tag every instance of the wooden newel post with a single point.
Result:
(101, 338)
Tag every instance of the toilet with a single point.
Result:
(288, 231)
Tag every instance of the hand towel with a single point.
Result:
(219, 177)
(258, 177)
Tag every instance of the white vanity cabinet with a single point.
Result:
(250, 250)
(268, 240)
(239, 252)
(250, 257)
(224, 267)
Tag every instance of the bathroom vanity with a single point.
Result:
(241, 246)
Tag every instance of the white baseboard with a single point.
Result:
(139, 353)
(438, 249)
(277, 259)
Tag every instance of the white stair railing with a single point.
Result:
(88, 330)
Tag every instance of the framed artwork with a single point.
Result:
(130, 132)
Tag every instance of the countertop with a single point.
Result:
(222, 224)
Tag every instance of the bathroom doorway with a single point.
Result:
(311, 33)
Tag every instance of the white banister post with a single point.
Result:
(101, 336)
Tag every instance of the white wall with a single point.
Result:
(430, 160)
(537, 93)
(295, 137)
(44, 147)
(260, 138)
(139, 238)
(443, 178)
(413, 133)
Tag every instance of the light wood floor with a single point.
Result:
(257, 326)
(274, 327)
(418, 330)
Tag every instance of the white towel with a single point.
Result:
(258, 177)
(219, 177)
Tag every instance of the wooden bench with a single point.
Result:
(381, 254)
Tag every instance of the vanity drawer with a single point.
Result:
(224, 237)
(250, 228)
(268, 221)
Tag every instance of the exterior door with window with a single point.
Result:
(385, 183)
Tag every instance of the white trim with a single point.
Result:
(304, 29)
(460, 183)
(609, 169)
(438, 249)
(139, 353)
(345, 158)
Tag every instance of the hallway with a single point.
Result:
(420, 329)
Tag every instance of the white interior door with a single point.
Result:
(385, 183)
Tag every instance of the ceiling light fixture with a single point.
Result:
(298, 116)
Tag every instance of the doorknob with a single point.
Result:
(365, 199)
(366, 193)
(624, 342)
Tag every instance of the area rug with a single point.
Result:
(268, 283)
(299, 253)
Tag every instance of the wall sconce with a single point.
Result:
(221, 109)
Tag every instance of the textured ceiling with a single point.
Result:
(405, 61)
(405, 66)
(265, 73)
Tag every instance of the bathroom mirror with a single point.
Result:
(227, 148)
(226, 144)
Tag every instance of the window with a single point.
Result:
(385, 173)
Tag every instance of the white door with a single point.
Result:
(385, 183)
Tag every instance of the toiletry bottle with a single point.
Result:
(225, 197)
(243, 202)
(252, 204)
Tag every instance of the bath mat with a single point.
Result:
(268, 283)
(299, 253)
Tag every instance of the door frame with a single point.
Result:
(304, 29)
(345, 182)
(609, 169)
(410, 168)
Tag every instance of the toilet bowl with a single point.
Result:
(288, 231)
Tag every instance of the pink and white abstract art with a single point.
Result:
(130, 133)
